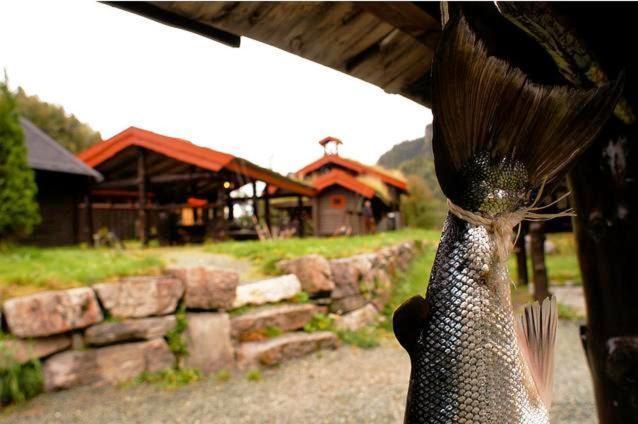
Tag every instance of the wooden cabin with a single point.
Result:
(63, 182)
(168, 188)
(351, 198)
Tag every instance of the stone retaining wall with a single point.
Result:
(111, 332)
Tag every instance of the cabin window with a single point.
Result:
(338, 201)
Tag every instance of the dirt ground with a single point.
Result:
(349, 385)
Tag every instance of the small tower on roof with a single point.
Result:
(330, 145)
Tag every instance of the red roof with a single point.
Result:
(187, 152)
(175, 148)
(355, 166)
(343, 179)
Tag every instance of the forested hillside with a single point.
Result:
(425, 207)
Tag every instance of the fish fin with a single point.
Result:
(536, 330)
(483, 105)
(408, 321)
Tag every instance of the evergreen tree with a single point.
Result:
(18, 207)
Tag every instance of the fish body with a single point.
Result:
(467, 366)
(499, 140)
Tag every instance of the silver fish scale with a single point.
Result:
(467, 366)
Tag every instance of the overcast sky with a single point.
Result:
(113, 69)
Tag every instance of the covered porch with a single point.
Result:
(169, 189)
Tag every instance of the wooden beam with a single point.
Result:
(606, 229)
(141, 177)
(88, 220)
(300, 223)
(574, 60)
(158, 179)
(255, 203)
(521, 260)
(407, 17)
(177, 21)
(537, 252)
(266, 198)
(316, 217)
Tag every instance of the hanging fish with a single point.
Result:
(499, 141)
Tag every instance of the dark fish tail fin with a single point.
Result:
(484, 106)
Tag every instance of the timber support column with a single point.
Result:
(141, 181)
(266, 196)
(605, 195)
(315, 215)
(537, 252)
(300, 223)
(255, 201)
(521, 260)
(88, 218)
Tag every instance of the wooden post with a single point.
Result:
(229, 204)
(521, 260)
(300, 223)
(266, 197)
(141, 181)
(88, 218)
(537, 252)
(605, 197)
(315, 216)
(255, 201)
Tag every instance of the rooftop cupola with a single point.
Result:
(330, 145)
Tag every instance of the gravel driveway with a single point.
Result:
(349, 385)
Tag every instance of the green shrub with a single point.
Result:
(273, 331)
(222, 375)
(301, 297)
(319, 322)
(174, 338)
(19, 382)
(171, 378)
(253, 375)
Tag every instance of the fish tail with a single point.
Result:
(492, 123)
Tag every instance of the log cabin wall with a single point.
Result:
(58, 196)
(338, 207)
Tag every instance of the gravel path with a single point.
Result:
(349, 385)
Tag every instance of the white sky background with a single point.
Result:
(113, 69)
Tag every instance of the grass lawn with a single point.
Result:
(25, 270)
(266, 254)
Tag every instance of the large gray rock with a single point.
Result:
(254, 325)
(291, 345)
(313, 272)
(357, 319)
(52, 312)
(208, 340)
(21, 350)
(138, 297)
(347, 274)
(128, 330)
(107, 365)
(271, 290)
(347, 304)
(207, 287)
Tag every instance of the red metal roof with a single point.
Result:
(343, 179)
(355, 166)
(187, 152)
